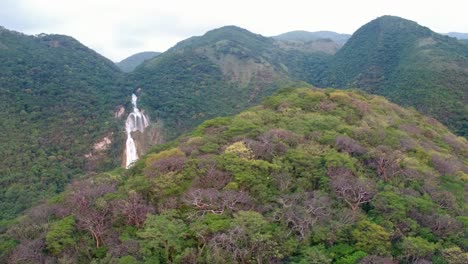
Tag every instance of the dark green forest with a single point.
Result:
(56, 97)
(217, 74)
(410, 65)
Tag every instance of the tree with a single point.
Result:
(30, 251)
(272, 143)
(314, 255)
(33, 225)
(60, 235)
(374, 259)
(134, 209)
(444, 225)
(417, 248)
(371, 238)
(96, 222)
(447, 165)
(454, 255)
(250, 237)
(354, 191)
(164, 237)
(349, 145)
(91, 213)
(164, 165)
(216, 202)
(212, 176)
(387, 162)
(391, 205)
(241, 150)
(301, 212)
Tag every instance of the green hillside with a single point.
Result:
(308, 176)
(57, 99)
(58, 96)
(129, 64)
(408, 64)
(217, 74)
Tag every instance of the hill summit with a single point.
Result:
(408, 64)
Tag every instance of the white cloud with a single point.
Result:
(118, 29)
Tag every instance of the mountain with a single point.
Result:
(458, 35)
(306, 36)
(129, 64)
(410, 65)
(63, 103)
(326, 46)
(308, 176)
(57, 99)
(217, 74)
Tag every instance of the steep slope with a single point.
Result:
(129, 64)
(309, 176)
(409, 64)
(306, 36)
(57, 98)
(217, 74)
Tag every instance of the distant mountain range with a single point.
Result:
(306, 36)
(130, 63)
(390, 56)
(458, 35)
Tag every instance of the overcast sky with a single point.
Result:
(119, 28)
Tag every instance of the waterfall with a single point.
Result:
(136, 121)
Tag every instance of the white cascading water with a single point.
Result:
(136, 121)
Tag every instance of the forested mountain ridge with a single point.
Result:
(59, 96)
(130, 63)
(305, 36)
(458, 35)
(408, 64)
(308, 176)
(217, 74)
(57, 99)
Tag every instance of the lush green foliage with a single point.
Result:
(60, 235)
(57, 98)
(218, 74)
(408, 64)
(309, 176)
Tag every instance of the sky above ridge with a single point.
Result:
(120, 28)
